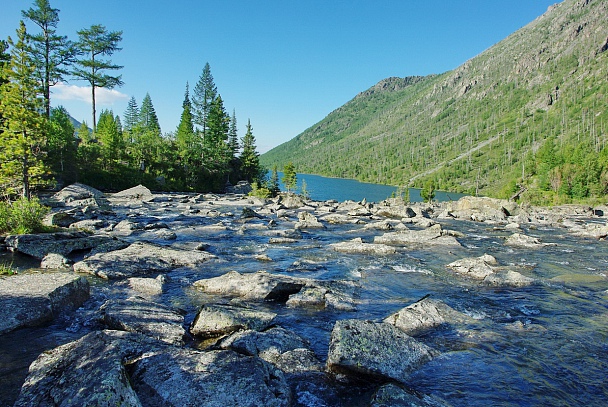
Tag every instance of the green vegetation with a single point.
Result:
(529, 113)
(428, 192)
(41, 147)
(22, 216)
(289, 176)
(7, 270)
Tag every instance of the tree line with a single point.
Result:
(41, 148)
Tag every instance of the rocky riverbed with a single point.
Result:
(189, 299)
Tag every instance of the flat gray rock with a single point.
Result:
(140, 259)
(424, 315)
(357, 246)
(34, 299)
(216, 320)
(433, 235)
(40, 244)
(376, 350)
(136, 314)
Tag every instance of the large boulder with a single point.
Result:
(424, 315)
(111, 368)
(307, 220)
(216, 320)
(140, 259)
(136, 314)
(253, 286)
(433, 235)
(34, 299)
(79, 195)
(375, 350)
(137, 193)
(524, 241)
(482, 209)
(486, 270)
(357, 246)
(63, 243)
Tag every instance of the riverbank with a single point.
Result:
(315, 300)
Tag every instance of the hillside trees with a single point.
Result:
(96, 42)
(23, 130)
(51, 53)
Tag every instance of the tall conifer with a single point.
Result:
(250, 159)
(204, 94)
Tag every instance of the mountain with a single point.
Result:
(529, 112)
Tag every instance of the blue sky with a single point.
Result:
(283, 64)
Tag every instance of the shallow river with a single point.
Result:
(544, 345)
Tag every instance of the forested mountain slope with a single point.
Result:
(531, 110)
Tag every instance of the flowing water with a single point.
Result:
(543, 345)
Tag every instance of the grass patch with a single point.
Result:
(7, 270)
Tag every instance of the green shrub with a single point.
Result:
(22, 216)
(259, 192)
(7, 270)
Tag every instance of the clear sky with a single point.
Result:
(283, 64)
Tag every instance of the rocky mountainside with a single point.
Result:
(481, 128)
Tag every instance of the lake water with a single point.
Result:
(324, 189)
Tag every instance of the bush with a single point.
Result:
(22, 216)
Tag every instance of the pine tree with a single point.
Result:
(22, 135)
(94, 43)
(131, 115)
(51, 53)
(273, 184)
(109, 137)
(233, 137)
(147, 116)
(62, 146)
(205, 92)
(289, 176)
(250, 159)
(187, 144)
(215, 141)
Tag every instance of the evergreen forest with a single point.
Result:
(44, 147)
(526, 119)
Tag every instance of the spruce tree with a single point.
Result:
(187, 144)
(22, 135)
(96, 42)
(147, 115)
(51, 53)
(250, 159)
(205, 92)
(62, 146)
(215, 141)
(233, 137)
(131, 115)
(110, 138)
(273, 184)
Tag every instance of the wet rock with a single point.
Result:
(394, 209)
(40, 244)
(375, 350)
(356, 246)
(136, 314)
(431, 236)
(33, 299)
(140, 259)
(590, 230)
(307, 220)
(55, 261)
(283, 348)
(391, 395)
(424, 315)
(521, 240)
(108, 368)
(137, 193)
(475, 267)
(248, 213)
(313, 297)
(340, 219)
(217, 320)
(150, 286)
(487, 270)
(254, 286)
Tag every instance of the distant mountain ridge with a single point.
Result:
(478, 128)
